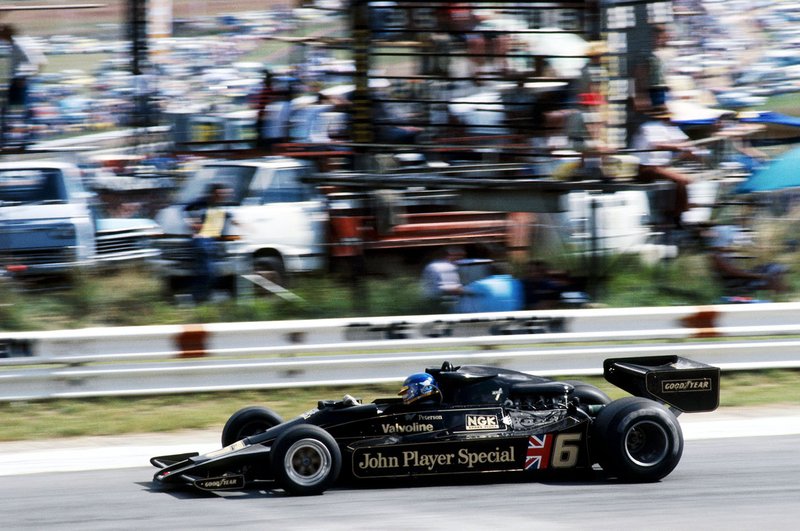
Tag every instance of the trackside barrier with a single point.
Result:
(228, 356)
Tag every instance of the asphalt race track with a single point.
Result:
(724, 481)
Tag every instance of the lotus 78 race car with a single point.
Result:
(463, 420)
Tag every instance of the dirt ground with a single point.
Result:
(85, 21)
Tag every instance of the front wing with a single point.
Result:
(223, 469)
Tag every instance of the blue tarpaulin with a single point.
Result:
(496, 293)
(770, 117)
(780, 174)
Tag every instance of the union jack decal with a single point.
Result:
(538, 455)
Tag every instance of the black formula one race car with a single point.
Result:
(463, 420)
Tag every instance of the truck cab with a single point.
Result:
(278, 223)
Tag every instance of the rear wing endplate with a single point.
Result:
(681, 383)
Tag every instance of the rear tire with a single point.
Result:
(636, 439)
(248, 421)
(271, 268)
(305, 460)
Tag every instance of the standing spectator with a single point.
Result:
(5, 79)
(584, 130)
(274, 110)
(208, 219)
(593, 73)
(25, 61)
(441, 282)
(542, 287)
(657, 74)
(144, 91)
(651, 74)
(266, 95)
(439, 45)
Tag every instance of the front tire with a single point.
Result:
(637, 440)
(248, 421)
(305, 460)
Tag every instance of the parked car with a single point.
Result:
(49, 223)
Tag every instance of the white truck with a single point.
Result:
(279, 223)
(49, 224)
(282, 224)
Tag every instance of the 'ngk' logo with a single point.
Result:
(482, 422)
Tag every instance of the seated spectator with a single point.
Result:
(726, 264)
(519, 103)
(659, 144)
(542, 287)
(393, 126)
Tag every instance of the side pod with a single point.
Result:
(684, 384)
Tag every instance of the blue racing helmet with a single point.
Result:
(419, 385)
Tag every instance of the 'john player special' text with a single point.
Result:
(377, 463)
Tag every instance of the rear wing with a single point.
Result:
(681, 383)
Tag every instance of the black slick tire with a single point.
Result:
(305, 460)
(637, 440)
(248, 421)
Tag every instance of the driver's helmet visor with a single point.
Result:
(415, 391)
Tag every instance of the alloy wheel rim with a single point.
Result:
(646, 443)
(307, 462)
